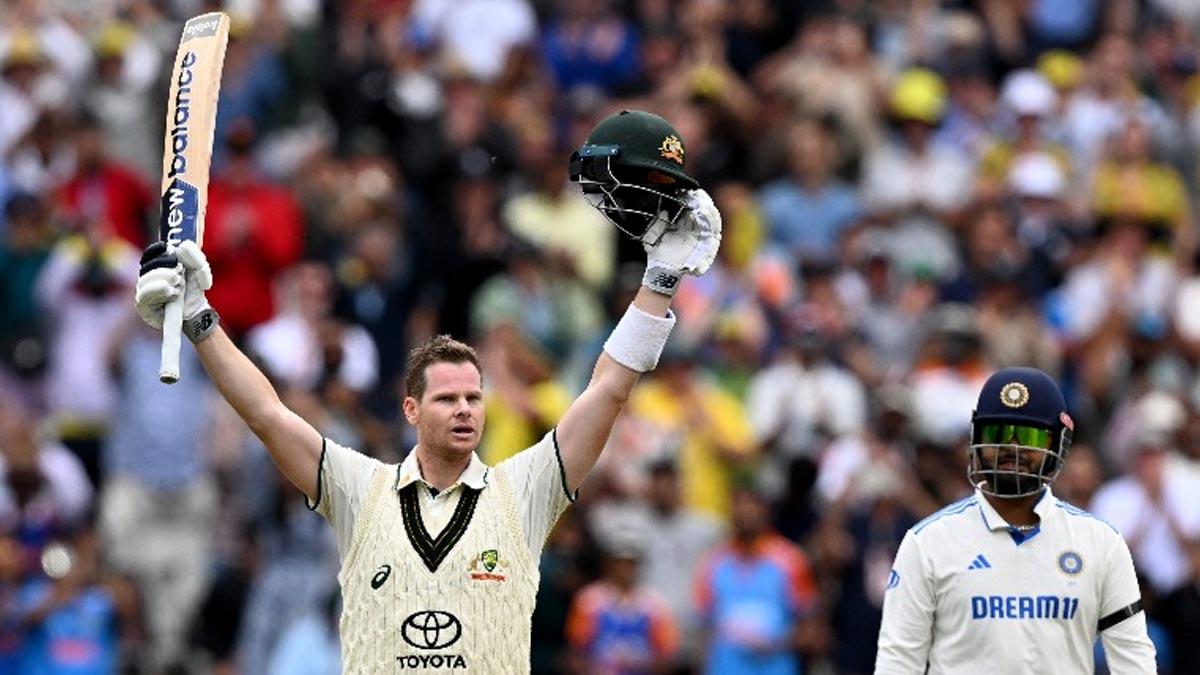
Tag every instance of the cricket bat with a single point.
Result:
(187, 154)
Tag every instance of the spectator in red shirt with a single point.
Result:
(254, 230)
(104, 189)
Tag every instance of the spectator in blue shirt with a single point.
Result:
(754, 593)
(591, 46)
(810, 208)
(69, 619)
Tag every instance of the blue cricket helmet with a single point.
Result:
(1021, 421)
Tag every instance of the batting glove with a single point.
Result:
(168, 271)
(688, 247)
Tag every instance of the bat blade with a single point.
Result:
(187, 153)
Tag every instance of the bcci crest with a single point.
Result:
(489, 560)
(1014, 395)
(672, 148)
(1070, 563)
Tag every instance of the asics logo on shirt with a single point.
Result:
(381, 576)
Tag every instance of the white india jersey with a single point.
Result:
(969, 594)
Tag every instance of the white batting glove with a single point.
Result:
(689, 247)
(168, 271)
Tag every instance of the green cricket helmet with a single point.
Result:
(631, 169)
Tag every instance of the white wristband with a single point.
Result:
(639, 338)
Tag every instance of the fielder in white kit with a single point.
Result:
(1012, 579)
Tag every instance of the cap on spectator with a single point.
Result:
(961, 29)
(877, 482)
(24, 49)
(919, 95)
(1161, 413)
(1146, 441)
(113, 40)
(1061, 68)
(1037, 174)
(1026, 92)
(624, 547)
(623, 536)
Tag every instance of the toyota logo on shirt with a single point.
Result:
(431, 629)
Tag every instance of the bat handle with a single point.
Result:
(168, 371)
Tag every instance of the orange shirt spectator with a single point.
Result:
(617, 627)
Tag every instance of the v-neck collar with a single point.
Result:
(433, 550)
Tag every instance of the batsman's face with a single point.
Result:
(449, 416)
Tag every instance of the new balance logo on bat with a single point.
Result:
(182, 112)
(979, 563)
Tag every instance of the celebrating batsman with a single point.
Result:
(439, 553)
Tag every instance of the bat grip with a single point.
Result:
(168, 371)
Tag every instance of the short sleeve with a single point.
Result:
(343, 479)
(1122, 626)
(906, 631)
(539, 484)
(1120, 581)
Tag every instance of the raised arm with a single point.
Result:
(637, 341)
(293, 443)
(585, 426)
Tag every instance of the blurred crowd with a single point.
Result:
(915, 193)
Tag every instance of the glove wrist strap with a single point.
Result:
(202, 325)
(661, 280)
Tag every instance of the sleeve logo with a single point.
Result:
(893, 580)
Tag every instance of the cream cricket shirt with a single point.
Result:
(968, 594)
(439, 582)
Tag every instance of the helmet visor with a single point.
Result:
(1019, 434)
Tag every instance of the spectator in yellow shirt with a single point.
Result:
(1130, 186)
(708, 427)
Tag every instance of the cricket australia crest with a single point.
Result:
(672, 149)
(484, 566)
